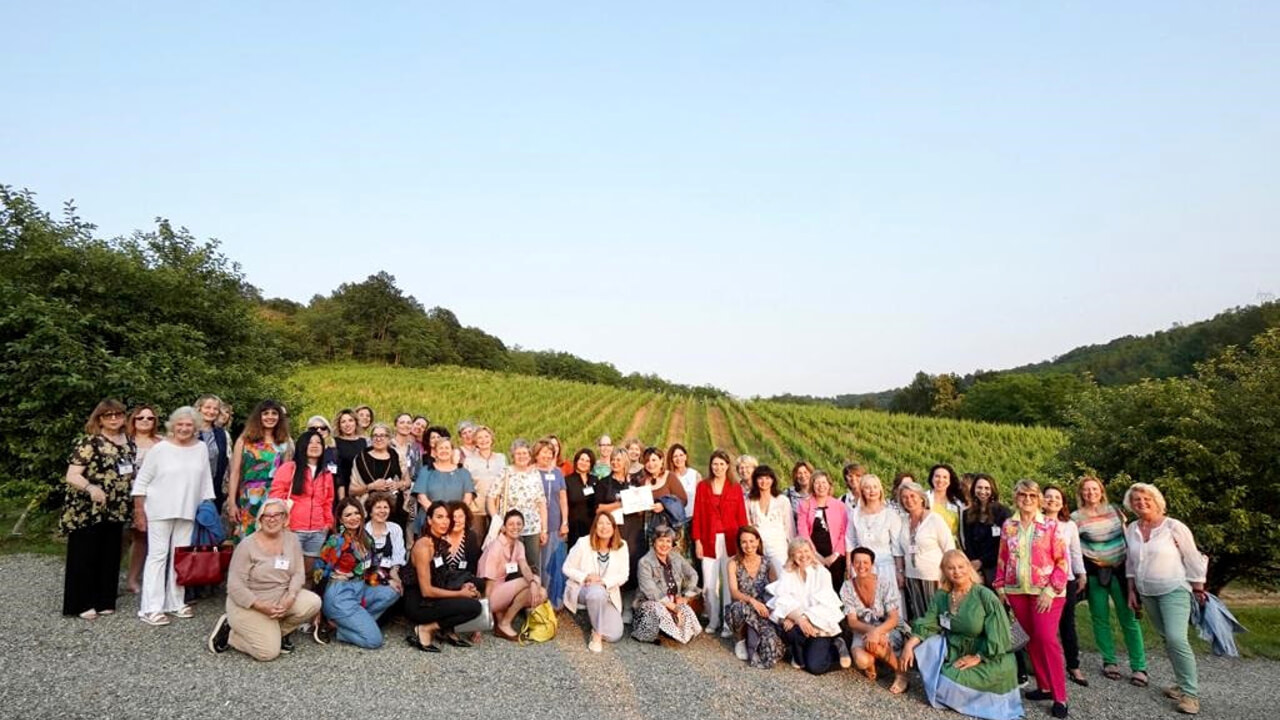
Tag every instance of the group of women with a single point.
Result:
(355, 519)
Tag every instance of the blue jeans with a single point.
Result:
(355, 607)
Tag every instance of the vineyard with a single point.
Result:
(779, 434)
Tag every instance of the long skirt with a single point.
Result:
(764, 645)
(650, 617)
(942, 691)
(918, 595)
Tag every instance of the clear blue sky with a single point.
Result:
(815, 197)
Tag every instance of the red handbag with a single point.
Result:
(197, 565)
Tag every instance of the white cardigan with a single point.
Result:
(582, 562)
(810, 593)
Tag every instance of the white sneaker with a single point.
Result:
(626, 616)
(741, 650)
(595, 645)
(709, 629)
(726, 632)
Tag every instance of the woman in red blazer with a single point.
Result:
(718, 511)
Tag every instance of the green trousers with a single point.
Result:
(1170, 614)
(1100, 599)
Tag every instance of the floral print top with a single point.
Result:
(110, 467)
(341, 555)
(520, 491)
(260, 459)
(884, 602)
(1033, 556)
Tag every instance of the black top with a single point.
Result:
(582, 507)
(821, 532)
(980, 543)
(348, 450)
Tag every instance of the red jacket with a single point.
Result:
(312, 511)
(733, 514)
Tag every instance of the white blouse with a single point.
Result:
(777, 527)
(874, 531)
(810, 593)
(174, 480)
(1070, 534)
(1166, 562)
(922, 553)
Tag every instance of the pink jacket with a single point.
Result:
(1049, 561)
(312, 511)
(837, 518)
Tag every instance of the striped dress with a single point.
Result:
(1102, 536)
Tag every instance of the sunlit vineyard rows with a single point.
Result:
(778, 434)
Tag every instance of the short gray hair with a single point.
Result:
(1149, 489)
(186, 411)
(520, 443)
(663, 531)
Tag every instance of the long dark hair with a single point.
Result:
(759, 472)
(361, 539)
(300, 461)
(253, 430)
(985, 513)
(955, 492)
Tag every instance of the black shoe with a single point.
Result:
(1039, 695)
(415, 642)
(286, 644)
(456, 641)
(321, 631)
(220, 638)
(1059, 710)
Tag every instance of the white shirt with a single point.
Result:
(1166, 562)
(174, 480)
(922, 553)
(689, 481)
(777, 527)
(395, 536)
(874, 531)
(810, 593)
(1070, 534)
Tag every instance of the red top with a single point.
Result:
(312, 511)
(714, 514)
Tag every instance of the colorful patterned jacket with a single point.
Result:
(1026, 569)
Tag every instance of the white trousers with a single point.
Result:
(160, 589)
(715, 578)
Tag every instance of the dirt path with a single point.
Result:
(720, 435)
(637, 422)
(675, 426)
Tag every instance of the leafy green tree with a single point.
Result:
(1023, 399)
(1210, 443)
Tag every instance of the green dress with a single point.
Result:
(980, 626)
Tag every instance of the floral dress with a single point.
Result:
(110, 467)
(884, 602)
(764, 645)
(258, 464)
(520, 491)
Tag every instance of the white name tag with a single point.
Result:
(995, 531)
(282, 563)
(438, 561)
(548, 476)
(945, 621)
(462, 564)
(911, 549)
(333, 468)
(513, 567)
(125, 467)
(588, 490)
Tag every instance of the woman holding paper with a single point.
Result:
(609, 490)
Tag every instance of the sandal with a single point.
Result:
(1111, 672)
(185, 612)
(89, 615)
(1139, 678)
(1078, 677)
(155, 619)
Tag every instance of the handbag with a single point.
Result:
(480, 623)
(1018, 637)
(197, 565)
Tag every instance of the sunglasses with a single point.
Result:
(319, 429)
(148, 418)
(111, 414)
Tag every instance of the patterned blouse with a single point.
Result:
(520, 491)
(110, 467)
(884, 602)
(341, 555)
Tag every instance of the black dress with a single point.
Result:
(348, 451)
(609, 490)
(583, 502)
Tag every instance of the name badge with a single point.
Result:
(438, 561)
(548, 476)
(911, 549)
(945, 621)
(513, 567)
(588, 490)
(462, 564)
(333, 468)
(282, 563)
(125, 467)
(995, 531)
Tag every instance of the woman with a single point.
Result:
(664, 484)
(604, 451)
(377, 469)
(678, 465)
(746, 466)
(558, 460)
(580, 491)
(364, 420)
(895, 494)
(461, 549)
(444, 480)
(349, 444)
(466, 439)
(873, 613)
(946, 497)
(596, 570)
(609, 492)
(874, 525)
(418, 429)
(1166, 574)
(748, 615)
(410, 453)
(771, 516)
(215, 438)
(263, 446)
(96, 507)
(306, 483)
(1055, 507)
(556, 499)
(355, 595)
(721, 510)
(918, 550)
(981, 522)
(1032, 570)
(1102, 531)
(634, 449)
(822, 519)
(521, 489)
(388, 541)
(666, 583)
(265, 597)
(486, 468)
(143, 428)
(809, 611)
(167, 492)
(511, 584)
(962, 645)
(225, 415)
(801, 477)
(428, 604)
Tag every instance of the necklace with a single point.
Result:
(956, 598)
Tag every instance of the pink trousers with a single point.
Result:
(1044, 650)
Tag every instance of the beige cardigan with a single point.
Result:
(582, 562)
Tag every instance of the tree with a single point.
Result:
(1024, 399)
(1209, 443)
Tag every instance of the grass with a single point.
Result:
(1262, 640)
(39, 531)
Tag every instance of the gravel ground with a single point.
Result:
(117, 667)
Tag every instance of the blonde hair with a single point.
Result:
(793, 546)
(944, 582)
(1080, 488)
(1149, 489)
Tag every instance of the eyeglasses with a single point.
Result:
(380, 436)
(111, 414)
(319, 428)
(271, 516)
(1027, 496)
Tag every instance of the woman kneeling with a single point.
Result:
(357, 593)
(512, 585)
(666, 582)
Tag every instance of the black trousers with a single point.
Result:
(816, 654)
(1067, 628)
(447, 612)
(93, 568)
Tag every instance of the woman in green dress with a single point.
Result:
(962, 646)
